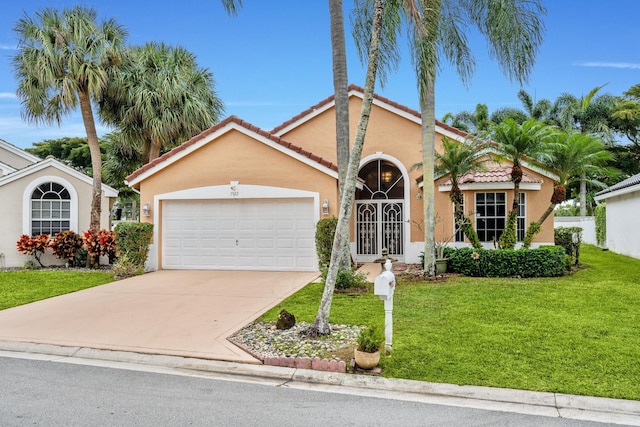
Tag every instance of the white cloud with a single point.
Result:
(7, 47)
(627, 65)
(8, 95)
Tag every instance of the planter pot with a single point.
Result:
(441, 265)
(366, 360)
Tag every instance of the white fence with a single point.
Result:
(587, 223)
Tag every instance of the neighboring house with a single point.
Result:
(42, 196)
(239, 197)
(623, 203)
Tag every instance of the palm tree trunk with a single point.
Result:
(583, 195)
(154, 150)
(96, 159)
(427, 110)
(321, 323)
(341, 96)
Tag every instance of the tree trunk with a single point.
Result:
(427, 107)
(341, 96)
(96, 159)
(154, 150)
(583, 195)
(321, 323)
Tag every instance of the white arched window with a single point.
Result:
(49, 205)
(50, 209)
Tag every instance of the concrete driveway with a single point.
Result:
(170, 312)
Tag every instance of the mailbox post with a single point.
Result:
(384, 286)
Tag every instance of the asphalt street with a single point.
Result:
(50, 393)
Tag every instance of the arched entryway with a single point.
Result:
(380, 206)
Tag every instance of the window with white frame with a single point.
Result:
(50, 209)
(522, 223)
(491, 214)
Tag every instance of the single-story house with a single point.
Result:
(623, 203)
(239, 197)
(42, 196)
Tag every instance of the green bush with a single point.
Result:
(547, 261)
(133, 239)
(601, 224)
(370, 339)
(124, 268)
(569, 238)
(347, 279)
(325, 230)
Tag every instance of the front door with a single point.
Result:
(380, 211)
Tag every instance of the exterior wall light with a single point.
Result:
(325, 207)
(146, 209)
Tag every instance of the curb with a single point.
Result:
(598, 409)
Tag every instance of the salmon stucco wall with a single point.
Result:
(226, 159)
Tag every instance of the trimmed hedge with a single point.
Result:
(325, 230)
(546, 261)
(133, 240)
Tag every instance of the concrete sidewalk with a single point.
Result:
(556, 405)
(181, 313)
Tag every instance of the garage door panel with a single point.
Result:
(256, 234)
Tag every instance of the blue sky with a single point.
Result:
(273, 60)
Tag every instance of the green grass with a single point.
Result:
(577, 334)
(25, 286)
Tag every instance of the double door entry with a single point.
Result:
(379, 224)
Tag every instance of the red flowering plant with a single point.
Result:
(33, 245)
(100, 243)
(65, 245)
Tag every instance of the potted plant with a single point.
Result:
(441, 257)
(367, 354)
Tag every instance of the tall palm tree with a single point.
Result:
(457, 160)
(590, 114)
(160, 97)
(571, 155)
(539, 110)
(517, 143)
(513, 29)
(62, 62)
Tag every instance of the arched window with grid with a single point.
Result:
(50, 209)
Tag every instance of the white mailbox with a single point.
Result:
(384, 285)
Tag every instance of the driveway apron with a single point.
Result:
(186, 313)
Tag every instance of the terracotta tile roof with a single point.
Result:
(222, 124)
(493, 174)
(357, 88)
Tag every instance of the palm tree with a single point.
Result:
(63, 61)
(571, 156)
(513, 29)
(517, 143)
(539, 110)
(457, 160)
(160, 97)
(590, 114)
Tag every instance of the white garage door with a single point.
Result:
(239, 234)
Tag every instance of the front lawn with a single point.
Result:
(25, 286)
(577, 334)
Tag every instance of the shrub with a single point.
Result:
(601, 224)
(65, 245)
(545, 261)
(133, 239)
(347, 279)
(124, 268)
(325, 230)
(569, 238)
(370, 339)
(100, 243)
(33, 245)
